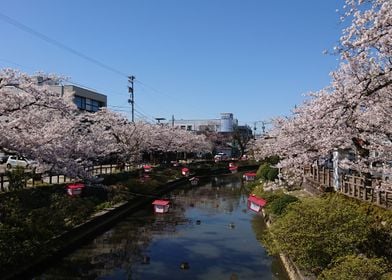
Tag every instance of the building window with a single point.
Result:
(87, 104)
(96, 105)
(189, 127)
(80, 102)
(183, 127)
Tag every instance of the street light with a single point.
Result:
(159, 120)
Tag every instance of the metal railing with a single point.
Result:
(37, 179)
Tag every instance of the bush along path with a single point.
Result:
(329, 237)
(40, 224)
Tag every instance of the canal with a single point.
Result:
(208, 234)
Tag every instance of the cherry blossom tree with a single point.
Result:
(43, 124)
(34, 120)
(168, 139)
(354, 112)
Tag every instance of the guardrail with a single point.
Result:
(60, 179)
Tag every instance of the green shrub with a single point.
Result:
(355, 267)
(272, 174)
(278, 205)
(319, 230)
(267, 173)
(15, 247)
(262, 172)
(272, 196)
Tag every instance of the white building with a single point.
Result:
(224, 124)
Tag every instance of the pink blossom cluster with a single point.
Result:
(354, 112)
(45, 125)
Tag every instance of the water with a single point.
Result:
(208, 228)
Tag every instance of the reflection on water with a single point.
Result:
(208, 234)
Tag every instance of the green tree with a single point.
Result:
(318, 230)
(242, 137)
(262, 172)
(266, 172)
(356, 267)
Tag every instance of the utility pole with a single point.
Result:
(263, 127)
(131, 99)
(254, 129)
(172, 120)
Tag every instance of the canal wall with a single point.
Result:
(65, 243)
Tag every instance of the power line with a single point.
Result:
(138, 113)
(66, 80)
(176, 99)
(143, 117)
(142, 111)
(58, 44)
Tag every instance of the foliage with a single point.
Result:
(272, 174)
(266, 172)
(243, 138)
(70, 211)
(15, 249)
(354, 267)
(262, 171)
(254, 187)
(272, 160)
(279, 205)
(318, 230)
(17, 178)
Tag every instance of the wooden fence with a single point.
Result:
(374, 191)
(60, 179)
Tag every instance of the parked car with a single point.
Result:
(221, 156)
(3, 158)
(14, 161)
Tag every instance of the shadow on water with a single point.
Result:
(208, 234)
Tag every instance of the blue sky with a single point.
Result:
(192, 58)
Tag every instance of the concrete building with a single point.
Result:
(85, 99)
(225, 124)
(228, 132)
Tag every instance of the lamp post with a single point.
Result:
(335, 162)
(159, 120)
